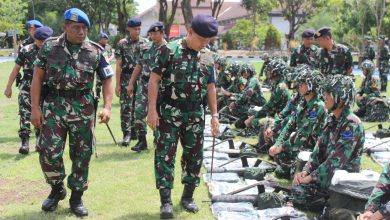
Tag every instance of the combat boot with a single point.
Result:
(58, 192)
(24, 148)
(126, 139)
(133, 134)
(76, 204)
(187, 202)
(141, 145)
(166, 209)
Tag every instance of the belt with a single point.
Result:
(185, 106)
(69, 93)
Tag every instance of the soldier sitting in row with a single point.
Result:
(340, 145)
(303, 128)
(371, 107)
(223, 76)
(233, 76)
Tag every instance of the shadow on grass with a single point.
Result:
(9, 139)
(177, 210)
(60, 213)
(123, 154)
(7, 156)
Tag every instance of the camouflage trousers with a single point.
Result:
(24, 100)
(383, 72)
(166, 140)
(127, 104)
(141, 107)
(286, 164)
(52, 141)
(309, 196)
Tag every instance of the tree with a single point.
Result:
(380, 9)
(163, 14)
(215, 6)
(273, 38)
(257, 7)
(187, 12)
(297, 12)
(125, 9)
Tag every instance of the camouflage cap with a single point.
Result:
(234, 68)
(342, 89)
(278, 67)
(369, 66)
(221, 61)
(382, 37)
(312, 77)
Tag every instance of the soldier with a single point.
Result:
(223, 76)
(383, 62)
(103, 41)
(369, 52)
(147, 58)
(127, 54)
(339, 147)
(32, 25)
(185, 82)
(307, 52)
(67, 65)
(25, 59)
(369, 88)
(279, 94)
(266, 59)
(333, 58)
(378, 205)
(303, 128)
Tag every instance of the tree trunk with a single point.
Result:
(121, 18)
(187, 13)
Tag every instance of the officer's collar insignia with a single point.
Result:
(73, 17)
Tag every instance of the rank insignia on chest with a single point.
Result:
(347, 134)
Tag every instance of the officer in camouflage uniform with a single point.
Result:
(307, 53)
(378, 205)
(303, 128)
(25, 59)
(185, 82)
(333, 58)
(67, 64)
(141, 73)
(368, 52)
(368, 90)
(339, 147)
(32, 25)
(383, 62)
(279, 94)
(127, 54)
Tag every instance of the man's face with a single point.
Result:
(323, 41)
(76, 32)
(156, 36)
(197, 42)
(366, 42)
(329, 100)
(39, 43)
(381, 42)
(134, 31)
(31, 31)
(302, 88)
(103, 41)
(308, 41)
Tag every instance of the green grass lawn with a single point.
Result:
(122, 184)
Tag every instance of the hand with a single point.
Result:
(37, 118)
(117, 91)
(104, 115)
(215, 126)
(130, 89)
(306, 180)
(8, 92)
(299, 176)
(248, 122)
(232, 106)
(153, 119)
(365, 216)
(226, 93)
(275, 150)
(268, 133)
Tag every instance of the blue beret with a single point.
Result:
(308, 33)
(134, 22)
(76, 15)
(205, 25)
(43, 33)
(157, 26)
(34, 23)
(321, 32)
(103, 35)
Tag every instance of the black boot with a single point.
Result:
(58, 192)
(166, 209)
(24, 148)
(76, 204)
(126, 139)
(187, 202)
(133, 134)
(141, 145)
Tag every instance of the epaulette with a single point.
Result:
(353, 118)
(96, 44)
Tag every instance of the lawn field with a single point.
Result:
(121, 182)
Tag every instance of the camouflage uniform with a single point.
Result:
(380, 197)
(340, 146)
(68, 108)
(369, 53)
(25, 59)
(384, 66)
(147, 59)
(337, 61)
(129, 52)
(184, 78)
(223, 76)
(303, 55)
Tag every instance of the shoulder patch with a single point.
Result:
(347, 134)
(313, 113)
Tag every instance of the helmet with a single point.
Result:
(278, 67)
(266, 57)
(369, 66)
(221, 61)
(342, 89)
(311, 77)
(234, 68)
(246, 67)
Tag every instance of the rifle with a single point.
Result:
(383, 149)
